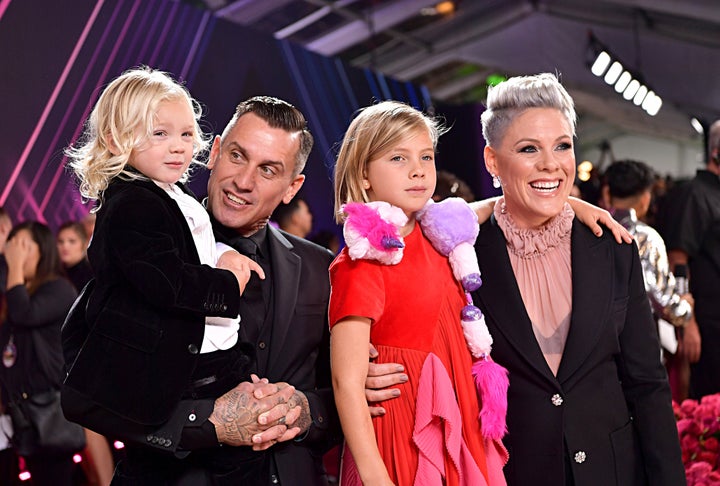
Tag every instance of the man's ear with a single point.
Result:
(214, 152)
(605, 196)
(294, 187)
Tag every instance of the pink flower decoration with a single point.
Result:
(711, 444)
(698, 424)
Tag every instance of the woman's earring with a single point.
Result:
(366, 184)
(496, 181)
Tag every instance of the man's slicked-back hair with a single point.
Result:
(277, 114)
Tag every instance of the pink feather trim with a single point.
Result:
(368, 222)
(492, 383)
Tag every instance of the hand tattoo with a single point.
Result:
(235, 417)
(305, 420)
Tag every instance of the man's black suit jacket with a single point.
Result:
(607, 414)
(299, 350)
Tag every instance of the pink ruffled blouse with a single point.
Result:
(540, 258)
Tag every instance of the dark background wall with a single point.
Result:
(55, 58)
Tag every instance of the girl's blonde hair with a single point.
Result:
(375, 130)
(121, 121)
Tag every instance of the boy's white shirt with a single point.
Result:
(220, 332)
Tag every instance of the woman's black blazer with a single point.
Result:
(607, 414)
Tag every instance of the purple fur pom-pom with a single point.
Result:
(471, 282)
(471, 313)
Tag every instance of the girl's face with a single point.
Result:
(167, 154)
(404, 176)
(536, 164)
(70, 247)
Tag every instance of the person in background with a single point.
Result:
(327, 239)
(693, 239)
(294, 217)
(450, 185)
(8, 457)
(628, 190)
(72, 245)
(589, 402)
(628, 186)
(5, 228)
(37, 301)
(160, 319)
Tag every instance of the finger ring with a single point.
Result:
(281, 421)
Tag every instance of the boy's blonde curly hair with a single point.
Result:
(121, 121)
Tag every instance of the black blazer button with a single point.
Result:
(262, 345)
(193, 349)
(206, 306)
(223, 308)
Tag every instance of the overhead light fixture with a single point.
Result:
(613, 73)
(640, 95)
(623, 82)
(607, 66)
(631, 89)
(602, 61)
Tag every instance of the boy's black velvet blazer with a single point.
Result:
(133, 343)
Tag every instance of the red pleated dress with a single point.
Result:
(431, 433)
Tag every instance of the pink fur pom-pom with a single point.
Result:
(372, 231)
(492, 383)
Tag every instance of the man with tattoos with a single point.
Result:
(255, 165)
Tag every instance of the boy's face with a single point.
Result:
(167, 154)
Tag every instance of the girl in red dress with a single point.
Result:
(410, 309)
